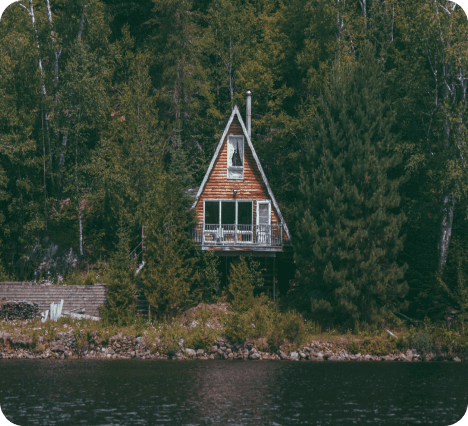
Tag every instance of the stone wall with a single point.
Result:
(89, 297)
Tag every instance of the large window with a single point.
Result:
(227, 212)
(235, 157)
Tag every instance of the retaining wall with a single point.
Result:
(89, 297)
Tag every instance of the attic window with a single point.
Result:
(235, 157)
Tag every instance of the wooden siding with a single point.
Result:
(251, 187)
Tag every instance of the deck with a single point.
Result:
(238, 237)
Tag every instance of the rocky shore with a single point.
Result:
(66, 345)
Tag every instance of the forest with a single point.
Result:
(110, 112)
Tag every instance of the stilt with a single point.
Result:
(274, 289)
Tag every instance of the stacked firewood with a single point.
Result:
(13, 310)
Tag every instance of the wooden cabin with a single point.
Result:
(236, 210)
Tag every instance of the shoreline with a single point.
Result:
(66, 346)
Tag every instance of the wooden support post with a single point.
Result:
(274, 264)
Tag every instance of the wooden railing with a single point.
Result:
(238, 235)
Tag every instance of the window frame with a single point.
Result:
(269, 210)
(220, 200)
(243, 158)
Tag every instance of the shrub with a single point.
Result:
(172, 350)
(293, 327)
(209, 278)
(243, 279)
(89, 278)
(378, 345)
(421, 341)
(354, 348)
(259, 321)
(240, 325)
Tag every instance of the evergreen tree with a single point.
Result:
(209, 278)
(244, 278)
(348, 229)
(120, 284)
(170, 253)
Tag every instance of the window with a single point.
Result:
(212, 212)
(235, 157)
(228, 221)
(263, 222)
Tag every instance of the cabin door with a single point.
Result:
(263, 222)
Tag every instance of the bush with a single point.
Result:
(243, 279)
(172, 350)
(293, 327)
(354, 348)
(421, 341)
(259, 321)
(89, 278)
(209, 278)
(378, 345)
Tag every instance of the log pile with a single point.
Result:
(13, 310)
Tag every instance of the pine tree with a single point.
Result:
(348, 229)
(244, 278)
(120, 284)
(170, 253)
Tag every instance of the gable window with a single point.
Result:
(235, 157)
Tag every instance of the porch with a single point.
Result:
(239, 237)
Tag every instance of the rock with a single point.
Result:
(200, 352)
(190, 353)
(456, 359)
(302, 355)
(220, 352)
(255, 356)
(110, 351)
(228, 350)
(282, 355)
(223, 348)
(214, 349)
(211, 356)
(230, 356)
(57, 348)
(294, 356)
(429, 357)
(334, 358)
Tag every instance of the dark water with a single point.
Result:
(231, 393)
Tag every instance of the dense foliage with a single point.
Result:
(110, 112)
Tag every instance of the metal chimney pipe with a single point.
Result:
(248, 104)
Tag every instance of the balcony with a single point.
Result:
(244, 237)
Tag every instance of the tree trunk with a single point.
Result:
(44, 166)
(363, 4)
(446, 229)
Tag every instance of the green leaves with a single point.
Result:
(349, 226)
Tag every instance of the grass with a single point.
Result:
(264, 325)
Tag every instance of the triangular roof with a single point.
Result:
(235, 112)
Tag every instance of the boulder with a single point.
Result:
(255, 356)
(200, 352)
(282, 355)
(294, 356)
(190, 353)
(214, 349)
(456, 359)
(57, 348)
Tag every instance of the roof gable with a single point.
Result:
(235, 112)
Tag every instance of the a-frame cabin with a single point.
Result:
(236, 210)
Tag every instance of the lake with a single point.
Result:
(131, 392)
